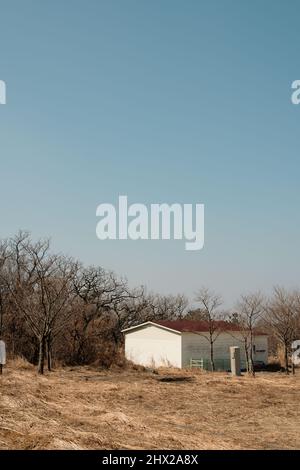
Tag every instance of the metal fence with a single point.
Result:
(220, 364)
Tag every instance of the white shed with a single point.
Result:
(176, 343)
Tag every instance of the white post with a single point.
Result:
(235, 360)
(2, 355)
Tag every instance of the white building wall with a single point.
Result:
(261, 348)
(196, 346)
(153, 346)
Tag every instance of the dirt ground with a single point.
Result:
(84, 408)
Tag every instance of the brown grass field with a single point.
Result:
(84, 408)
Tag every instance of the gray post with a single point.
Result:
(235, 360)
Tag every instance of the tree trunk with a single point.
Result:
(49, 355)
(212, 363)
(41, 355)
(247, 356)
(286, 359)
(252, 371)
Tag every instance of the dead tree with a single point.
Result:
(209, 305)
(4, 293)
(101, 294)
(40, 286)
(250, 310)
(282, 316)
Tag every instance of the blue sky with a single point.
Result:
(164, 101)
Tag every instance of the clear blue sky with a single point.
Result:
(165, 101)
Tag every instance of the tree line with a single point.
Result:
(52, 307)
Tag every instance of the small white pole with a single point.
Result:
(2, 355)
(235, 360)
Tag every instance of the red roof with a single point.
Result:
(199, 326)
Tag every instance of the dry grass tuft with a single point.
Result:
(84, 408)
(20, 363)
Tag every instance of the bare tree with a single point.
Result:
(209, 306)
(129, 310)
(282, 315)
(4, 293)
(250, 309)
(60, 294)
(165, 307)
(40, 286)
(104, 298)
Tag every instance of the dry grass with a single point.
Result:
(83, 408)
